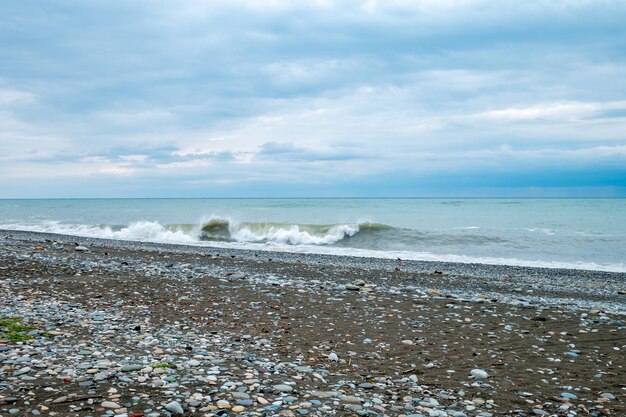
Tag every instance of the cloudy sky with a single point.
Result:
(273, 98)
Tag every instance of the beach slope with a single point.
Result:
(99, 327)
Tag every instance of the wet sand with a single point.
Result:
(133, 329)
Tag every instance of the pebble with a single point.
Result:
(350, 399)
(283, 388)
(174, 407)
(22, 371)
(479, 374)
(569, 396)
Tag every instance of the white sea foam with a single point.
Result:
(539, 230)
(57, 227)
(140, 231)
(152, 231)
(423, 256)
(291, 235)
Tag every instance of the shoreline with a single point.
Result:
(134, 329)
(287, 256)
(337, 250)
(586, 288)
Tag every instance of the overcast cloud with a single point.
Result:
(277, 98)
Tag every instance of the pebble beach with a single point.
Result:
(95, 327)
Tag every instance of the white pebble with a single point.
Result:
(478, 374)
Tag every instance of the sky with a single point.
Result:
(273, 98)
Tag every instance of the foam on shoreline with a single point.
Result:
(459, 265)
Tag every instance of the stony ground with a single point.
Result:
(121, 330)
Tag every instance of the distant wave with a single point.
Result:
(539, 230)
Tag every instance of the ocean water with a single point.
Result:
(571, 233)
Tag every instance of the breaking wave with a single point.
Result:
(216, 229)
(284, 233)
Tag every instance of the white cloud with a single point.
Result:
(306, 72)
(12, 96)
(134, 158)
(554, 111)
(136, 117)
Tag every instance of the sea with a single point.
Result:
(552, 233)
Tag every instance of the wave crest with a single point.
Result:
(282, 233)
(215, 229)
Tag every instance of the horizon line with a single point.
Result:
(326, 198)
